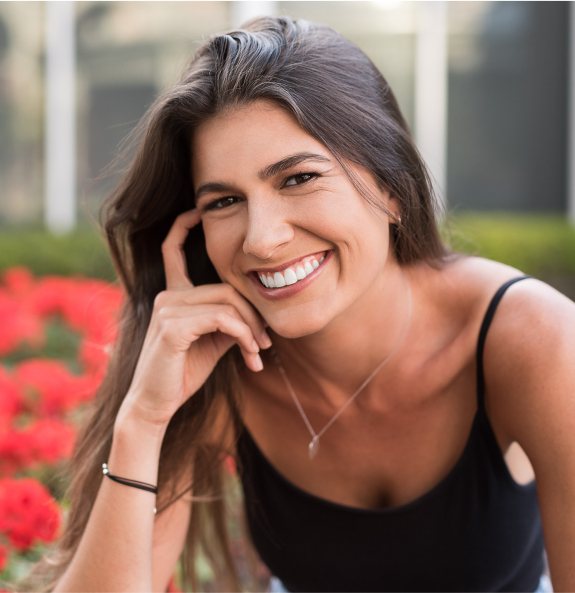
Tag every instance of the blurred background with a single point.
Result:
(485, 86)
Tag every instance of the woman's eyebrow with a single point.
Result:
(291, 161)
(266, 172)
(211, 187)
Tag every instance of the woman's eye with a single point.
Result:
(221, 203)
(299, 179)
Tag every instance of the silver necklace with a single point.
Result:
(313, 445)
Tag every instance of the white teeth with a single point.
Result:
(290, 275)
(279, 280)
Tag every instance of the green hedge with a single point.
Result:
(539, 245)
(82, 253)
(543, 246)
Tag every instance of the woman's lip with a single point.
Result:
(286, 265)
(291, 289)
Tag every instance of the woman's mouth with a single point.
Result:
(293, 274)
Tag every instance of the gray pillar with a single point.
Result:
(244, 10)
(431, 90)
(60, 118)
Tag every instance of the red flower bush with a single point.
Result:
(28, 514)
(49, 388)
(40, 396)
(18, 322)
(10, 398)
(43, 441)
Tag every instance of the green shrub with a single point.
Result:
(538, 245)
(81, 253)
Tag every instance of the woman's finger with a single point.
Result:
(173, 250)
(181, 331)
(190, 323)
(209, 294)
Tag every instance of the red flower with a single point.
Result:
(49, 387)
(19, 323)
(10, 398)
(93, 308)
(28, 514)
(43, 441)
(14, 451)
(19, 281)
(51, 440)
(46, 298)
(88, 306)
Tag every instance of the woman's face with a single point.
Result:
(278, 210)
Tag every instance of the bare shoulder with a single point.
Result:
(529, 352)
(529, 365)
(461, 291)
(473, 281)
(531, 336)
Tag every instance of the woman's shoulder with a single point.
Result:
(529, 351)
(531, 320)
(530, 310)
(458, 292)
(473, 281)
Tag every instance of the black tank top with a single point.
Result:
(477, 530)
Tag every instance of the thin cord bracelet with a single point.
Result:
(128, 482)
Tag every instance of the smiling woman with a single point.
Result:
(401, 417)
(273, 188)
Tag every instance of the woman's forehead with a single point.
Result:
(251, 136)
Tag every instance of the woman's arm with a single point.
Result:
(115, 552)
(530, 370)
(189, 331)
(170, 532)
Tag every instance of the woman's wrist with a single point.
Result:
(132, 418)
(136, 447)
(132, 428)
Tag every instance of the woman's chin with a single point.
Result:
(294, 328)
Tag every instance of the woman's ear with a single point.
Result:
(392, 206)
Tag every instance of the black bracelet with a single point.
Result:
(127, 482)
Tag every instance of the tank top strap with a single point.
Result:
(486, 323)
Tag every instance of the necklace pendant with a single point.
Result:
(313, 447)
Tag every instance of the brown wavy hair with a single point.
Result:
(339, 97)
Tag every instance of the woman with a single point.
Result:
(388, 404)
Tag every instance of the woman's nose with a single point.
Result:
(267, 230)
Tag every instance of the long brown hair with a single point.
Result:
(339, 97)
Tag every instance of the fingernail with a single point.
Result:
(265, 340)
(258, 364)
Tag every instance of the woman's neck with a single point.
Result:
(336, 360)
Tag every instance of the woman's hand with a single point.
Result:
(190, 329)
